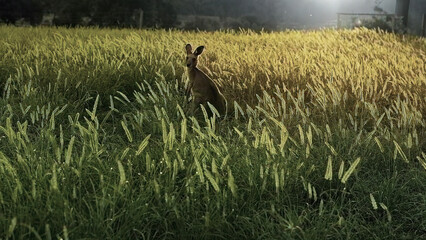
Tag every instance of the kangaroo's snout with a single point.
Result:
(191, 61)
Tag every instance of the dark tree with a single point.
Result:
(157, 13)
(70, 12)
(11, 11)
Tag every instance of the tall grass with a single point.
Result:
(325, 135)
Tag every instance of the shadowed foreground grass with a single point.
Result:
(324, 138)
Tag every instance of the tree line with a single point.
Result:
(156, 13)
(99, 12)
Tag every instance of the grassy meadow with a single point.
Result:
(324, 136)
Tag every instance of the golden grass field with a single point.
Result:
(324, 135)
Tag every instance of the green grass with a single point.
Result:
(95, 143)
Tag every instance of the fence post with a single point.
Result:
(338, 21)
(393, 23)
(140, 18)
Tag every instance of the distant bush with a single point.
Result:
(247, 22)
(215, 23)
(203, 23)
(251, 22)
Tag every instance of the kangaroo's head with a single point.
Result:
(191, 57)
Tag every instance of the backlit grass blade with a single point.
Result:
(379, 144)
(69, 151)
(12, 227)
(329, 171)
(143, 145)
(401, 153)
(122, 173)
(422, 160)
(231, 183)
(213, 182)
(126, 130)
(384, 207)
(351, 169)
(373, 202)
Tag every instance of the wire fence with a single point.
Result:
(389, 22)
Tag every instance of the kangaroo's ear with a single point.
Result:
(199, 50)
(188, 48)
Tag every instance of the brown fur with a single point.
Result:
(202, 88)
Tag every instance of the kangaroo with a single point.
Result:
(202, 88)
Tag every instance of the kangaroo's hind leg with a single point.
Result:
(196, 101)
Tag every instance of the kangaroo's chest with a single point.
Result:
(200, 83)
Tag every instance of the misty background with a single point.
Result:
(188, 14)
